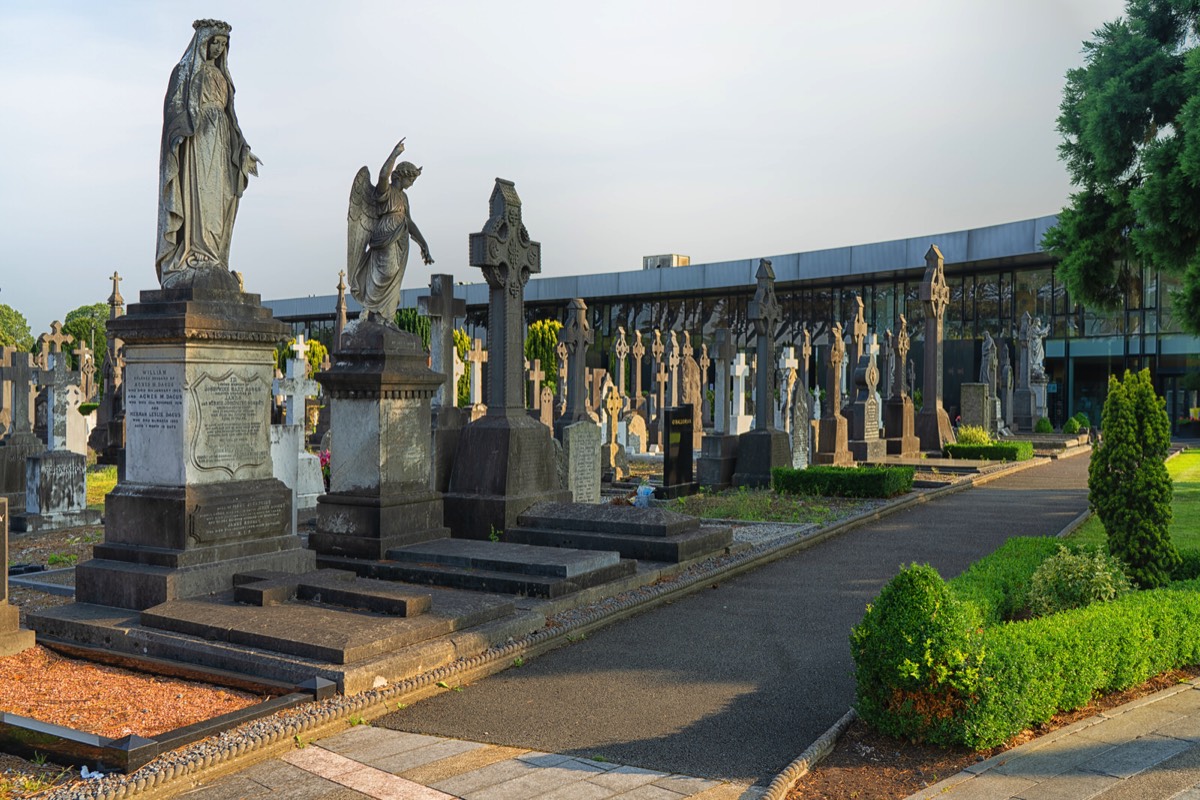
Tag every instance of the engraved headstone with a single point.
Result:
(739, 371)
(613, 460)
(639, 352)
(766, 446)
(581, 449)
(576, 335)
(677, 453)
(899, 425)
(833, 429)
(19, 441)
(864, 441)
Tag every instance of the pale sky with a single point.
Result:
(717, 130)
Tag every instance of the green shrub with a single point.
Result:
(1188, 567)
(843, 481)
(973, 434)
(1085, 422)
(916, 657)
(1043, 426)
(1129, 487)
(1074, 580)
(1071, 426)
(998, 584)
(87, 408)
(1001, 451)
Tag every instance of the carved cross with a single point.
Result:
(902, 345)
(805, 356)
(660, 387)
(507, 257)
(723, 350)
(297, 386)
(339, 323)
(673, 360)
(576, 335)
(858, 331)
(560, 352)
(535, 377)
(935, 296)
(87, 370)
(620, 353)
(115, 301)
(639, 352)
(56, 338)
(613, 403)
(20, 373)
(739, 369)
(837, 351)
(300, 349)
(443, 310)
(766, 315)
(477, 357)
(687, 350)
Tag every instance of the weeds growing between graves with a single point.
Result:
(762, 505)
(101, 479)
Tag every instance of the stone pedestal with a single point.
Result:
(933, 429)
(899, 428)
(1037, 387)
(12, 639)
(1024, 413)
(718, 461)
(198, 502)
(55, 493)
(379, 391)
(504, 464)
(864, 442)
(757, 453)
(833, 436)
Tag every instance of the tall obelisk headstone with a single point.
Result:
(505, 461)
(833, 429)
(933, 424)
(766, 446)
(898, 410)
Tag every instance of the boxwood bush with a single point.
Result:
(1001, 451)
(843, 481)
(935, 663)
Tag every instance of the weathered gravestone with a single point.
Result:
(801, 413)
(864, 441)
(12, 638)
(576, 335)
(505, 461)
(581, 454)
(899, 425)
(833, 430)
(613, 460)
(443, 309)
(19, 443)
(974, 400)
(678, 426)
(766, 446)
(298, 469)
(933, 424)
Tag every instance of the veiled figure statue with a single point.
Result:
(205, 161)
(379, 227)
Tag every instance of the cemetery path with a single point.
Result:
(734, 682)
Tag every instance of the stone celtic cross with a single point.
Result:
(620, 354)
(577, 336)
(507, 257)
(858, 331)
(935, 296)
(765, 313)
(837, 351)
(639, 352)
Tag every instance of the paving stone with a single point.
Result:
(1130, 758)
(1185, 702)
(236, 787)
(535, 782)
(276, 774)
(1053, 759)
(1186, 728)
(1130, 725)
(582, 790)
(479, 778)
(649, 792)
(1163, 780)
(431, 773)
(359, 777)
(366, 743)
(624, 779)
(539, 759)
(1189, 794)
(410, 759)
(1073, 785)
(686, 785)
(988, 786)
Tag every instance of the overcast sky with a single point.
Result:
(718, 130)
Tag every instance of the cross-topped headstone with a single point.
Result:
(704, 362)
(536, 375)
(935, 296)
(115, 301)
(673, 359)
(901, 344)
(56, 380)
(20, 373)
(507, 257)
(805, 357)
(297, 386)
(639, 352)
(656, 351)
(87, 370)
(460, 369)
(339, 322)
(56, 338)
(837, 351)
(620, 355)
(858, 331)
(686, 351)
(560, 352)
(613, 403)
(477, 357)
(765, 313)
(577, 335)
(787, 377)
(739, 370)
(442, 308)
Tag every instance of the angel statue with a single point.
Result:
(379, 227)
(204, 163)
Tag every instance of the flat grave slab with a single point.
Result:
(526, 559)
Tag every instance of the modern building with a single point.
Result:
(995, 274)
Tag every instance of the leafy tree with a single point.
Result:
(540, 342)
(462, 345)
(409, 319)
(14, 329)
(89, 325)
(1129, 487)
(1130, 121)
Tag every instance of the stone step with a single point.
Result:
(483, 580)
(505, 556)
(609, 519)
(671, 549)
(331, 587)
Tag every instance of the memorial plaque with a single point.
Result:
(231, 412)
(154, 397)
(227, 519)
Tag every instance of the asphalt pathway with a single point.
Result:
(732, 683)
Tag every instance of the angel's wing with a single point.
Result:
(359, 222)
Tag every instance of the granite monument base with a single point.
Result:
(899, 425)
(758, 453)
(1023, 410)
(447, 425)
(718, 461)
(504, 464)
(833, 442)
(933, 429)
(864, 450)
(368, 526)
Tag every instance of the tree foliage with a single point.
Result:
(89, 325)
(462, 346)
(1130, 121)
(411, 320)
(14, 329)
(1129, 487)
(315, 355)
(540, 343)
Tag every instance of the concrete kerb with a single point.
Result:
(333, 716)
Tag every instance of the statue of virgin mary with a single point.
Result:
(205, 161)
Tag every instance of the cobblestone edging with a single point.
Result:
(823, 746)
(278, 730)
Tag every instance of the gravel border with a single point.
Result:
(251, 742)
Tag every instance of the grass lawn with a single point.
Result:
(763, 505)
(101, 478)
(1185, 525)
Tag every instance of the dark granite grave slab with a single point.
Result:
(652, 534)
(505, 557)
(482, 580)
(331, 587)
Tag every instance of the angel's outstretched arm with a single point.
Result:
(385, 172)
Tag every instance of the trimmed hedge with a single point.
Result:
(843, 481)
(933, 662)
(1001, 451)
